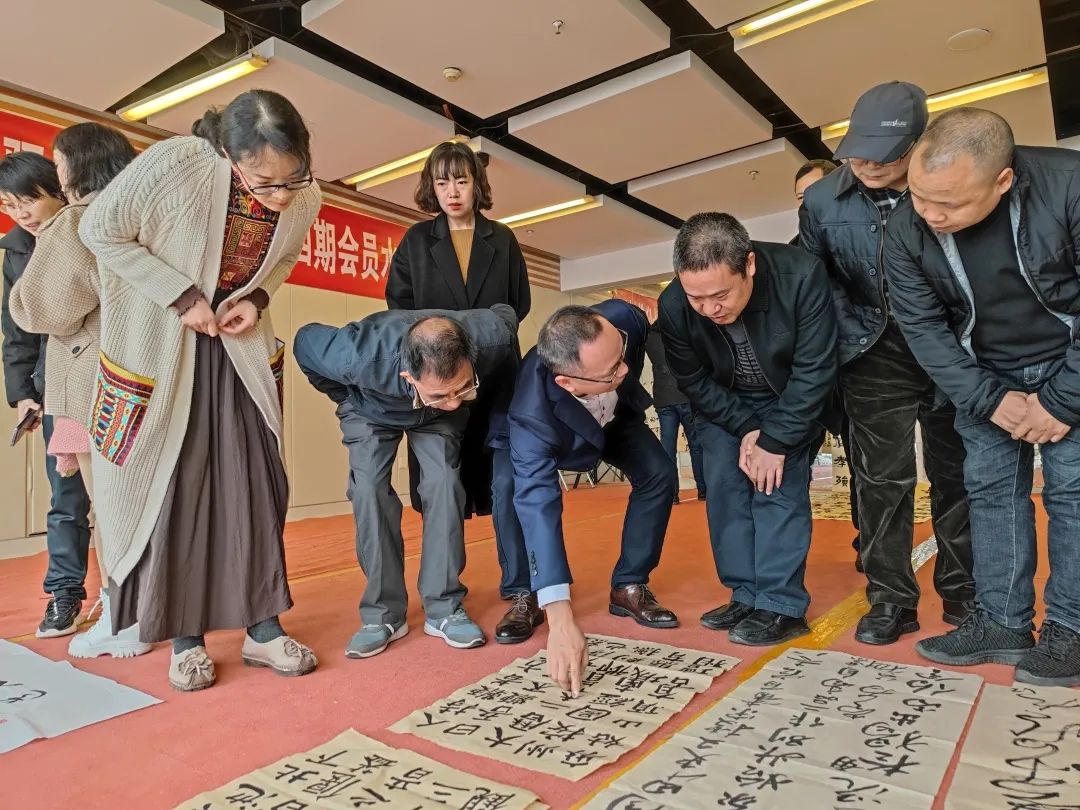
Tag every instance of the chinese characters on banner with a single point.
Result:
(520, 717)
(44, 698)
(355, 771)
(645, 303)
(347, 252)
(1021, 752)
(814, 730)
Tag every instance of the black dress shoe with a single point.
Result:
(764, 628)
(726, 616)
(885, 623)
(955, 613)
(520, 621)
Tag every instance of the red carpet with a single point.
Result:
(160, 756)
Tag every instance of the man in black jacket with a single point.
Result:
(983, 267)
(407, 373)
(30, 194)
(843, 221)
(750, 334)
(673, 409)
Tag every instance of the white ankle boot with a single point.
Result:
(100, 640)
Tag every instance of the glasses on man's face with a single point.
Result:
(271, 188)
(465, 395)
(618, 367)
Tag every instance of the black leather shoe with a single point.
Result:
(884, 624)
(764, 628)
(726, 616)
(955, 613)
(520, 621)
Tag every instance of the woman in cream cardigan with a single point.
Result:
(192, 241)
(57, 295)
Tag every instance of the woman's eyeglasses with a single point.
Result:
(270, 188)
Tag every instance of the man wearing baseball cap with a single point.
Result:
(843, 221)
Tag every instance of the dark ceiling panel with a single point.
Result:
(1061, 33)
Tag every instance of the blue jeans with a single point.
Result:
(759, 541)
(999, 474)
(68, 528)
(671, 416)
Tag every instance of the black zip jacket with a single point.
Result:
(24, 352)
(792, 328)
(932, 299)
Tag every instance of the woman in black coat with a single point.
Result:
(427, 273)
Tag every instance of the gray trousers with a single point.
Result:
(380, 547)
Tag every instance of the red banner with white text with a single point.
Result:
(345, 251)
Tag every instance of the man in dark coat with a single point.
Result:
(985, 282)
(750, 334)
(579, 400)
(843, 221)
(396, 374)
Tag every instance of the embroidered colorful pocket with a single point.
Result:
(119, 409)
(277, 366)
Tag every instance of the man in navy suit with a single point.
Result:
(578, 401)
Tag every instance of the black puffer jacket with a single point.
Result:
(932, 298)
(840, 225)
(24, 353)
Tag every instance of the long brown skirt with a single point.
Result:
(216, 557)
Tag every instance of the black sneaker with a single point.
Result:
(1054, 661)
(979, 640)
(61, 616)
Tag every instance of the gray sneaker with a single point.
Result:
(979, 640)
(372, 639)
(457, 630)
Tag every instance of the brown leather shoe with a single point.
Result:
(638, 602)
(520, 620)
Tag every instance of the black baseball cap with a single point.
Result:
(886, 121)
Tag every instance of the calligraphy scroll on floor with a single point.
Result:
(40, 697)
(519, 716)
(1023, 750)
(354, 771)
(812, 730)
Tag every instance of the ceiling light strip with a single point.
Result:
(551, 212)
(401, 167)
(789, 17)
(203, 83)
(961, 96)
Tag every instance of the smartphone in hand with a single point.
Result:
(26, 425)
